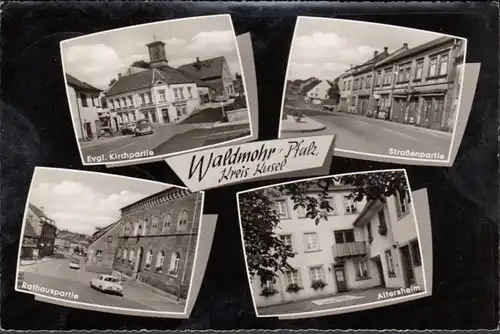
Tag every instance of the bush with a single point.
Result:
(267, 291)
(294, 287)
(318, 284)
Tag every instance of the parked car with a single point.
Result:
(143, 127)
(107, 283)
(328, 107)
(74, 263)
(128, 129)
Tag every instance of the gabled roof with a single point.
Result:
(310, 86)
(98, 234)
(29, 231)
(39, 213)
(146, 79)
(196, 80)
(205, 69)
(422, 47)
(75, 83)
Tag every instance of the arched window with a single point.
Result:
(149, 258)
(175, 260)
(155, 222)
(182, 222)
(131, 256)
(145, 227)
(167, 221)
(124, 255)
(137, 228)
(160, 258)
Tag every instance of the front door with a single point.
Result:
(339, 273)
(380, 270)
(409, 275)
(88, 129)
(166, 116)
(412, 110)
(138, 263)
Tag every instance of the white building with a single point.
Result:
(317, 91)
(361, 245)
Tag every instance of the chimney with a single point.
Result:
(405, 45)
(386, 48)
(197, 59)
(42, 209)
(375, 54)
(119, 75)
(351, 65)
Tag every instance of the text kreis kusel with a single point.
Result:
(269, 160)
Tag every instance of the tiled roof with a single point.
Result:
(205, 69)
(166, 195)
(310, 86)
(75, 83)
(38, 212)
(98, 234)
(419, 48)
(196, 80)
(29, 231)
(146, 79)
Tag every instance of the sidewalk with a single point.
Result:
(384, 121)
(96, 142)
(307, 124)
(32, 262)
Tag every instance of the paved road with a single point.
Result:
(56, 274)
(374, 136)
(198, 138)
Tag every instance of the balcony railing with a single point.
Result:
(349, 249)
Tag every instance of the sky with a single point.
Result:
(98, 58)
(325, 48)
(81, 201)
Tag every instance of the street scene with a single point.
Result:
(390, 97)
(331, 242)
(155, 90)
(76, 240)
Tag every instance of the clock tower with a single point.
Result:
(157, 54)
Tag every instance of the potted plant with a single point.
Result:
(318, 284)
(268, 291)
(293, 287)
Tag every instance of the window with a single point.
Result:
(345, 236)
(92, 100)
(350, 205)
(149, 258)
(181, 92)
(287, 240)
(349, 85)
(131, 256)
(292, 277)
(150, 97)
(143, 100)
(109, 239)
(403, 201)
(368, 82)
(353, 101)
(443, 65)
(369, 231)
(183, 218)
(167, 221)
(433, 67)
(124, 100)
(124, 255)
(390, 263)
(83, 98)
(311, 241)
(361, 82)
(112, 103)
(181, 110)
(269, 284)
(343, 85)
(355, 85)
(130, 101)
(282, 209)
(175, 260)
(362, 270)
(379, 78)
(415, 253)
(387, 76)
(381, 220)
(176, 95)
(317, 273)
(418, 70)
(190, 93)
(98, 253)
(161, 92)
(118, 103)
(160, 258)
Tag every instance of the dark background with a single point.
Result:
(36, 130)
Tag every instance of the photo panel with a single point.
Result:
(387, 92)
(340, 243)
(105, 242)
(156, 89)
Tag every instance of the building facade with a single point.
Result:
(85, 104)
(39, 234)
(318, 93)
(101, 251)
(157, 240)
(416, 85)
(362, 245)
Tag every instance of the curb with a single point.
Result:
(304, 130)
(31, 264)
(221, 125)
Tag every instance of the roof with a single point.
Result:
(39, 213)
(29, 231)
(170, 194)
(205, 69)
(196, 80)
(310, 86)
(417, 49)
(146, 79)
(75, 83)
(98, 234)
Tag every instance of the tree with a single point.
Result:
(141, 64)
(266, 253)
(333, 92)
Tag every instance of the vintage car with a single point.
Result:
(107, 283)
(143, 127)
(128, 128)
(74, 263)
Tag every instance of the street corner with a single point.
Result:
(300, 124)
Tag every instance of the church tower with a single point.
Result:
(157, 54)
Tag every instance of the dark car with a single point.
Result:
(128, 129)
(143, 127)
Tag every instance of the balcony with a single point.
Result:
(349, 249)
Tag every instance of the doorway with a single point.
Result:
(340, 279)
(408, 273)
(88, 129)
(412, 110)
(138, 263)
(380, 270)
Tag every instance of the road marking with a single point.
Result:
(119, 148)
